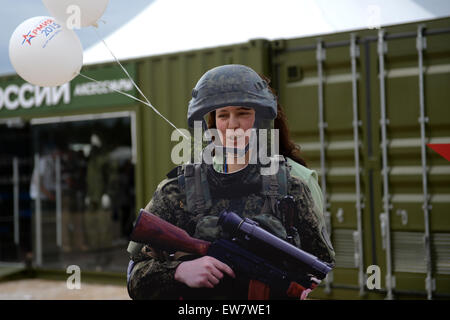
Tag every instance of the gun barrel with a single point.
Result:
(234, 224)
(152, 230)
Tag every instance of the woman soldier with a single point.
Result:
(291, 152)
(194, 195)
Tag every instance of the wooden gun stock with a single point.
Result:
(258, 290)
(156, 232)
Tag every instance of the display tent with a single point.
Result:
(175, 25)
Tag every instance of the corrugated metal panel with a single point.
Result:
(441, 252)
(409, 252)
(344, 246)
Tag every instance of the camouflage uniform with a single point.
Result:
(153, 274)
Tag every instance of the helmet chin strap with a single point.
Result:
(237, 152)
(252, 145)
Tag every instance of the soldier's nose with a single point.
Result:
(233, 122)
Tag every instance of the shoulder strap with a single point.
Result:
(192, 178)
(275, 186)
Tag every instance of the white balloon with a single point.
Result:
(73, 12)
(44, 53)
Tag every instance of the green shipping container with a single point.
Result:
(363, 105)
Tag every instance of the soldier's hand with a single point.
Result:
(204, 272)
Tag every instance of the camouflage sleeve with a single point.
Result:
(313, 234)
(152, 276)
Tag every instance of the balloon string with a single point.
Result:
(124, 70)
(136, 86)
(137, 99)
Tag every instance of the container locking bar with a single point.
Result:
(359, 256)
(421, 45)
(320, 58)
(382, 50)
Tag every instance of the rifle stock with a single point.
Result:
(154, 231)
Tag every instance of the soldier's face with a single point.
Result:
(233, 122)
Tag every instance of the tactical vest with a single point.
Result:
(192, 178)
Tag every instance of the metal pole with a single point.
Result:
(58, 201)
(320, 57)
(16, 199)
(354, 54)
(38, 219)
(421, 45)
(385, 217)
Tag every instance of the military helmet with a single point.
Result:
(231, 85)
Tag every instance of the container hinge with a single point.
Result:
(421, 41)
(356, 254)
(382, 45)
(327, 216)
(430, 284)
(384, 122)
(426, 240)
(357, 123)
(383, 223)
(390, 279)
(320, 52)
(329, 279)
(424, 120)
(354, 49)
(340, 215)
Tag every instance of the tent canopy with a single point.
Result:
(167, 26)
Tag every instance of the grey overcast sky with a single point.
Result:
(14, 12)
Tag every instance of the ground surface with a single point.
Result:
(38, 289)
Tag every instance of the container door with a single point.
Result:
(319, 90)
(411, 82)
(365, 109)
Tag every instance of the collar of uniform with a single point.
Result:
(245, 181)
(218, 164)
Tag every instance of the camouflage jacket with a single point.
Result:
(153, 274)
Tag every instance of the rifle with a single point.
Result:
(270, 263)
